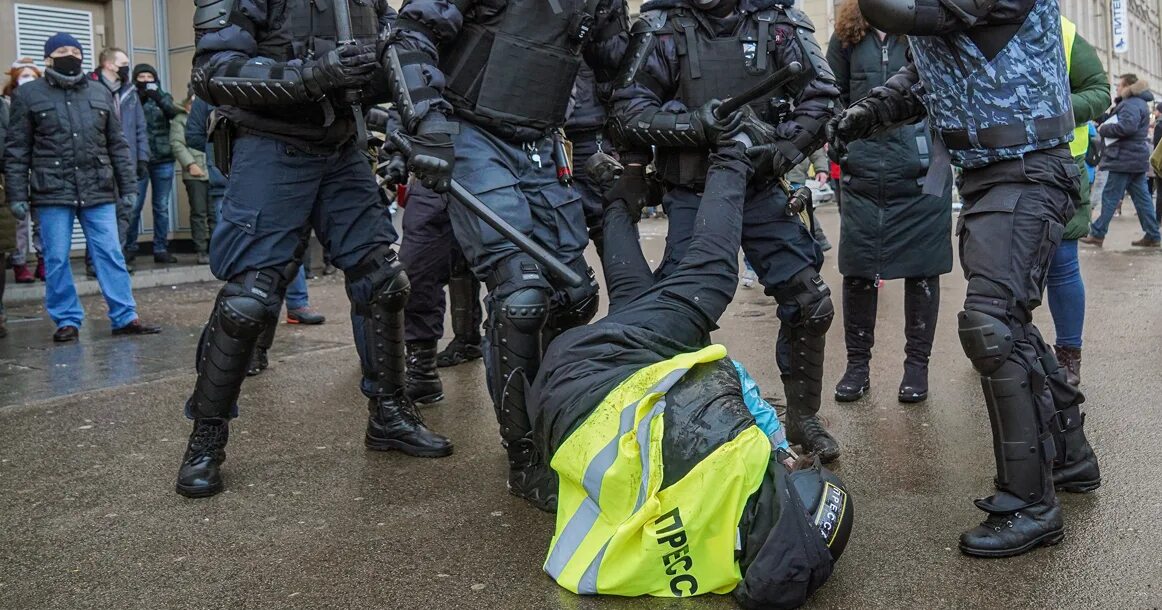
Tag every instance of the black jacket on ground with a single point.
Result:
(1129, 150)
(889, 227)
(65, 145)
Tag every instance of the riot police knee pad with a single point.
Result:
(525, 310)
(985, 326)
(812, 298)
(250, 301)
(379, 280)
(987, 341)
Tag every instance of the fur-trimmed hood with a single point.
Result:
(1139, 89)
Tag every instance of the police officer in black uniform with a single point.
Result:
(282, 83)
(684, 56)
(970, 60)
(481, 86)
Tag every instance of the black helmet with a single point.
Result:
(828, 505)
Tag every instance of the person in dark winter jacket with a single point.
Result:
(1126, 158)
(890, 228)
(697, 451)
(7, 225)
(159, 110)
(65, 155)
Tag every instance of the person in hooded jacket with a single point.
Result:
(675, 476)
(159, 109)
(890, 229)
(1126, 158)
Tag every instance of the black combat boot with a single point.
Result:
(860, 299)
(459, 351)
(806, 429)
(1009, 534)
(1075, 467)
(199, 475)
(921, 309)
(423, 381)
(464, 301)
(394, 423)
(529, 477)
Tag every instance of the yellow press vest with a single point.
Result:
(1080, 144)
(618, 532)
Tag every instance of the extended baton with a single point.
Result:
(763, 88)
(520, 240)
(350, 96)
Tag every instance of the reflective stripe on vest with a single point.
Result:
(1080, 144)
(617, 531)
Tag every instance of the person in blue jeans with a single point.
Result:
(72, 144)
(1127, 158)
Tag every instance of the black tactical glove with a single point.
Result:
(347, 67)
(433, 153)
(712, 127)
(392, 166)
(632, 187)
(142, 169)
(856, 123)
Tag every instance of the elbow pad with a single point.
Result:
(666, 129)
(254, 84)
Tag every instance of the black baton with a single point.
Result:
(350, 96)
(520, 240)
(763, 88)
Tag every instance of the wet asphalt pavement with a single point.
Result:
(91, 435)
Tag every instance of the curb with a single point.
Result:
(145, 278)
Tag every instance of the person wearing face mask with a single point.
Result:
(65, 156)
(113, 72)
(159, 110)
(684, 57)
(24, 71)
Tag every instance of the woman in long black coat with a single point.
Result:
(889, 228)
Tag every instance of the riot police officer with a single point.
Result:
(684, 56)
(483, 108)
(971, 58)
(279, 79)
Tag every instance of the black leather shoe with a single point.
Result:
(200, 475)
(459, 351)
(395, 424)
(164, 258)
(914, 385)
(65, 334)
(136, 328)
(1011, 534)
(810, 434)
(258, 361)
(422, 381)
(530, 478)
(854, 384)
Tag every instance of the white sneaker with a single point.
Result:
(749, 277)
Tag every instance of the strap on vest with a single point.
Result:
(1008, 136)
(764, 19)
(693, 59)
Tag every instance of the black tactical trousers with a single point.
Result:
(427, 250)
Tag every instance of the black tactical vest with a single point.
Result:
(512, 72)
(306, 29)
(716, 67)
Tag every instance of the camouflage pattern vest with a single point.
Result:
(988, 111)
